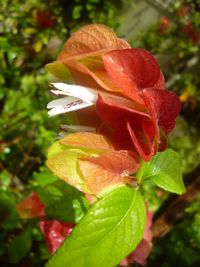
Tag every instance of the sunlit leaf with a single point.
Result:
(59, 70)
(86, 140)
(132, 69)
(109, 170)
(111, 229)
(165, 171)
(90, 38)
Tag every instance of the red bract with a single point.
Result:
(31, 207)
(164, 107)
(141, 130)
(137, 112)
(132, 129)
(132, 70)
(140, 127)
(55, 232)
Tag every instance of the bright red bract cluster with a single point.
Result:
(148, 112)
(145, 111)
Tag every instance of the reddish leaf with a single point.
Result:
(132, 70)
(88, 70)
(82, 55)
(87, 140)
(31, 207)
(164, 107)
(160, 84)
(142, 138)
(132, 129)
(110, 169)
(118, 162)
(55, 232)
(92, 37)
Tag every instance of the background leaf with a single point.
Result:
(110, 231)
(19, 247)
(165, 171)
(63, 202)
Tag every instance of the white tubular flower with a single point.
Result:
(78, 97)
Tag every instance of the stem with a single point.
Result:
(140, 172)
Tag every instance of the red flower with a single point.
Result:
(191, 33)
(31, 207)
(163, 24)
(45, 19)
(55, 232)
(137, 111)
(138, 126)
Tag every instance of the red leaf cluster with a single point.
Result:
(142, 119)
(144, 111)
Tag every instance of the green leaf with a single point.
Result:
(62, 161)
(165, 171)
(19, 247)
(111, 229)
(59, 70)
(76, 13)
(44, 178)
(63, 202)
(55, 149)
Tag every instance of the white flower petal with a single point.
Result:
(61, 101)
(66, 104)
(82, 92)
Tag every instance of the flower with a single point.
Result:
(89, 162)
(140, 128)
(123, 86)
(31, 207)
(55, 232)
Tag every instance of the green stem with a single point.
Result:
(140, 172)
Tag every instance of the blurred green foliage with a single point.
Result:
(182, 245)
(31, 34)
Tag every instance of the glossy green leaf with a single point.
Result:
(111, 229)
(165, 171)
(63, 202)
